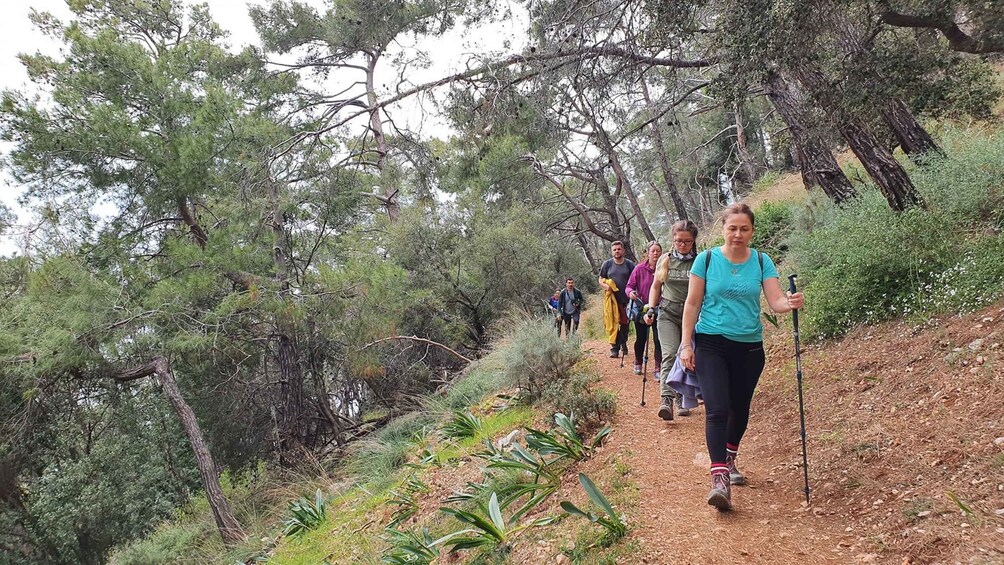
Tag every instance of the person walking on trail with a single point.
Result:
(569, 306)
(638, 287)
(721, 316)
(668, 293)
(618, 269)
(555, 304)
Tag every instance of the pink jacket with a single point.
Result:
(641, 280)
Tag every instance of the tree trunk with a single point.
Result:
(389, 196)
(912, 136)
(882, 167)
(816, 161)
(746, 161)
(580, 236)
(660, 148)
(230, 529)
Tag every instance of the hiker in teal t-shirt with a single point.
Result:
(722, 318)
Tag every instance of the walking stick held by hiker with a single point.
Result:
(798, 377)
(644, 370)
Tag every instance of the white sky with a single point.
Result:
(448, 54)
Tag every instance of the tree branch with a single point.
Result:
(418, 339)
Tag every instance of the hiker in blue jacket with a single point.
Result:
(569, 306)
(722, 317)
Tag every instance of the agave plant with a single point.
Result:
(412, 548)
(406, 499)
(565, 442)
(489, 527)
(611, 522)
(305, 515)
(463, 425)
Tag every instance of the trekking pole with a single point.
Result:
(798, 377)
(644, 370)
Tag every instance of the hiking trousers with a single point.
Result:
(570, 322)
(669, 323)
(641, 330)
(728, 372)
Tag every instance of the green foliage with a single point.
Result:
(863, 263)
(576, 394)
(462, 425)
(611, 522)
(411, 548)
(406, 500)
(566, 441)
(773, 225)
(489, 526)
(306, 515)
(536, 356)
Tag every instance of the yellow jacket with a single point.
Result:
(611, 315)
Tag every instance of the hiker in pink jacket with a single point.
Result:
(638, 286)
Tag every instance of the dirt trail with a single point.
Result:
(669, 462)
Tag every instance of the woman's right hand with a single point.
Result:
(687, 358)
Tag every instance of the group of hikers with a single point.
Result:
(703, 310)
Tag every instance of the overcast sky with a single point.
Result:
(449, 54)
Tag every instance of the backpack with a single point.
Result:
(635, 310)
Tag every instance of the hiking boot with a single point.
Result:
(637, 369)
(680, 409)
(615, 353)
(721, 492)
(735, 475)
(666, 408)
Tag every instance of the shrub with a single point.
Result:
(536, 356)
(773, 225)
(863, 262)
(576, 395)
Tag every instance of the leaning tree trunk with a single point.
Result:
(882, 167)
(912, 136)
(816, 161)
(230, 529)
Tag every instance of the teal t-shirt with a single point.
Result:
(731, 306)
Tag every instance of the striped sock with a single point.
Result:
(731, 451)
(719, 468)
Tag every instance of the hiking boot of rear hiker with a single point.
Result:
(666, 408)
(637, 368)
(615, 352)
(679, 407)
(736, 476)
(721, 491)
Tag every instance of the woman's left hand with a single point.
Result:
(795, 301)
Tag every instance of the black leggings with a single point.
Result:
(641, 330)
(728, 372)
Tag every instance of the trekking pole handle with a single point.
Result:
(791, 283)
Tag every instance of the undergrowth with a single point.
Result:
(863, 262)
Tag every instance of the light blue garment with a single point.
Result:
(731, 306)
(684, 383)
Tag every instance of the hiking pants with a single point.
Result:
(570, 323)
(641, 330)
(728, 372)
(669, 335)
(622, 331)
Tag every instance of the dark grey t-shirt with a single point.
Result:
(620, 274)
